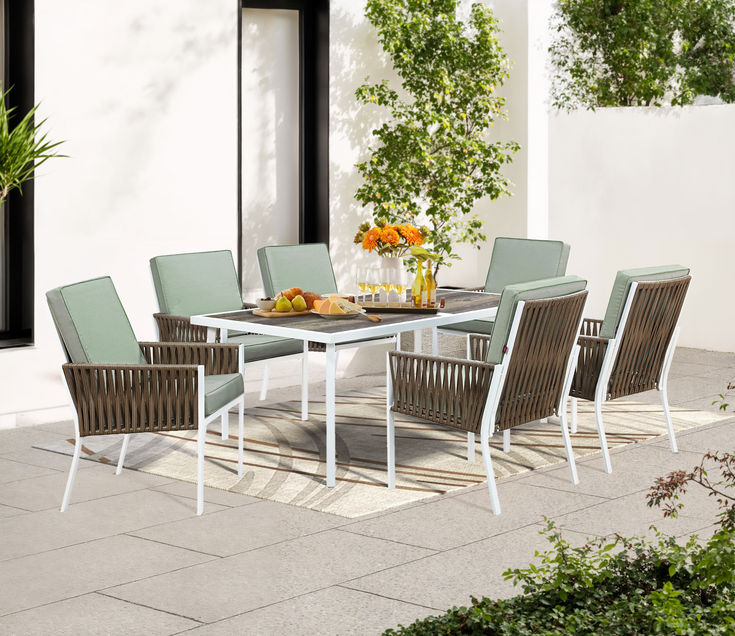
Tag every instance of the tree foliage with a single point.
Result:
(22, 148)
(642, 52)
(432, 159)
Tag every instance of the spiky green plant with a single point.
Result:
(22, 148)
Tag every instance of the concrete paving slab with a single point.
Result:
(244, 528)
(45, 459)
(213, 495)
(21, 439)
(15, 471)
(720, 437)
(39, 579)
(47, 491)
(93, 614)
(467, 517)
(233, 585)
(335, 611)
(704, 357)
(635, 468)
(449, 578)
(38, 532)
(10, 511)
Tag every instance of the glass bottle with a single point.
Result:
(430, 284)
(418, 289)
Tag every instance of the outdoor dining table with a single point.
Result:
(460, 306)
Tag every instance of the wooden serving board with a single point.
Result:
(280, 314)
(380, 308)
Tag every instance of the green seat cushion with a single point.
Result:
(307, 266)
(196, 283)
(92, 323)
(532, 290)
(484, 327)
(619, 293)
(221, 389)
(265, 347)
(516, 260)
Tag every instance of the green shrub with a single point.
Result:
(619, 586)
(641, 52)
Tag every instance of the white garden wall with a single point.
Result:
(632, 187)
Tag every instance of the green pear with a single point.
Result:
(283, 304)
(298, 303)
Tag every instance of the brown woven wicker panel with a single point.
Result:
(216, 358)
(179, 329)
(651, 322)
(441, 390)
(535, 376)
(133, 398)
(590, 327)
(589, 364)
(479, 345)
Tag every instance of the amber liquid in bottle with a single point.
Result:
(430, 284)
(418, 289)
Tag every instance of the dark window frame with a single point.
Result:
(313, 116)
(18, 74)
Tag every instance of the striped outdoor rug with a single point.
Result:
(284, 456)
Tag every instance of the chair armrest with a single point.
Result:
(133, 398)
(447, 391)
(179, 329)
(590, 327)
(479, 344)
(217, 358)
(589, 364)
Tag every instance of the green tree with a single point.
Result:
(433, 157)
(641, 52)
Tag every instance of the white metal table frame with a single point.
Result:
(213, 322)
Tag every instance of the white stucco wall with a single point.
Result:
(145, 92)
(631, 187)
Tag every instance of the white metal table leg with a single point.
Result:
(506, 440)
(225, 426)
(123, 450)
(434, 341)
(330, 399)
(417, 341)
(305, 382)
(240, 434)
(264, 385)
(391, 427)
(211, 334)
(470, 447)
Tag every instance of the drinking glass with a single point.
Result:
(362, 281)
(373, 281)
(400, 284)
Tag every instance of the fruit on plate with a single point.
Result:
(317, 304)
(291, 293)
(311, 298)
(298, 303)
(283, 304)
(331, 306)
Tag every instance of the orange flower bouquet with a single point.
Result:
(388, 239)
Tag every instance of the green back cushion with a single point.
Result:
(532, 290)
(620, 289)
(93, 324)
(307, 266)
(519, 260)
(196, 283)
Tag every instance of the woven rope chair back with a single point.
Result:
(173, 329)
(535, 376)
(653, 316)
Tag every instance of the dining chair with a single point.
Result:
(515, 260)
(206, 283)
(631, 349)
(119, 386)
(309, 267)
(522, 372)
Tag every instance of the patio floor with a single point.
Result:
(130, 556)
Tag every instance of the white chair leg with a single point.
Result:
(601, 434)
(72, 473)
(470, 447)
(573, 421)
(240, 434)
(225, 425)
(123, 450)
(506, 440)
(264, 385)
(494, 501)
(568, 448)
(390, 434)
(305, 383)
(201, 437)
(667, 415)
